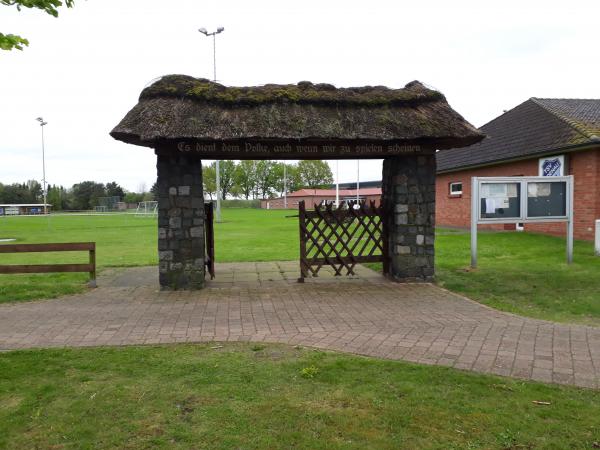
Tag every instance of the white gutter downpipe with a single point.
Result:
(597, 239)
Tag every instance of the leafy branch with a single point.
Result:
(13, 41)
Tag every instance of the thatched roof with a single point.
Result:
(182, 107)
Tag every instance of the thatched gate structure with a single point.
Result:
(187, 119)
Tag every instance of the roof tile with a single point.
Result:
(535, 127)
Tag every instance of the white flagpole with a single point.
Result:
(357, 179)
(337, 183)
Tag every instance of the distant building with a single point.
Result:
(363, 184)
(540, 137)
(23, 209)
(313, 197)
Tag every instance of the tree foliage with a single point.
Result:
(227, 173)
(245, 177)
(86, 195)
(264, 178)
(81, 196)
(114, 190)
(29, 192)
(314, 173)
(209, 180)
(58, 197)
(13, 41)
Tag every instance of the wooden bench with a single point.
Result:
(48, 268)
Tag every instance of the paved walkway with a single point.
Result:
(366, 315)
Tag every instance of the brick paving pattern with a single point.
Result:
(366, 315)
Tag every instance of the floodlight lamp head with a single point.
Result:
(220, 29)
(39, 119)
(203, 31)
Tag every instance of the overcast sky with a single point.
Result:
(83, 71)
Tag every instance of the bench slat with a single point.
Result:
(57, 247)
(46, 268)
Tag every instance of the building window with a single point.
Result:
(456, 188)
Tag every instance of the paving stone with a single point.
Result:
(367, 315)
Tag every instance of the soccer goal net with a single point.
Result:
(149, 208)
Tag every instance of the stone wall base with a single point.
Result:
(408, 193)
(180, 222)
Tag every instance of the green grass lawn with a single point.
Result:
(523, 273)
(518, 272)
(256, 397)
(127, 240)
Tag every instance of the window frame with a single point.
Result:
(457, 193)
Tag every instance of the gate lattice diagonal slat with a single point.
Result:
(340, 237)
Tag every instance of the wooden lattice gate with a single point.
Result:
(341, 237)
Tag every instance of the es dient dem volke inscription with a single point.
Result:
(296, 149)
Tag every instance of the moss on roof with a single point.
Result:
(178, 106)
(305, 92)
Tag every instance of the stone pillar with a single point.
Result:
(180, 221)
(409, 200)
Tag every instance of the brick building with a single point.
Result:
(555, 136)
(321, 196)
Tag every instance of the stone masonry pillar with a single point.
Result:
(180, 221)
(408, 192)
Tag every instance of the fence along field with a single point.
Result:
(89, 247)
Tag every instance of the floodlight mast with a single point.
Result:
(42, 123)
(218, 171)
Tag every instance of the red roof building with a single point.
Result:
(313, 197)
(563, 134)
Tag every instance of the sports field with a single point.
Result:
(518, 272)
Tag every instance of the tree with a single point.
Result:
(13, 41)
(265, 178)
(227, 180)
(285, 176)
(314, 173)
(209, 180)
(30, 192)
(245, 177)
(57, 197)
(114, 190)
(133, 197)
(36, 193)
(278, 171)
(85, 195)
(294, 182)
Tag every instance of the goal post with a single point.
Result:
(148, 208)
